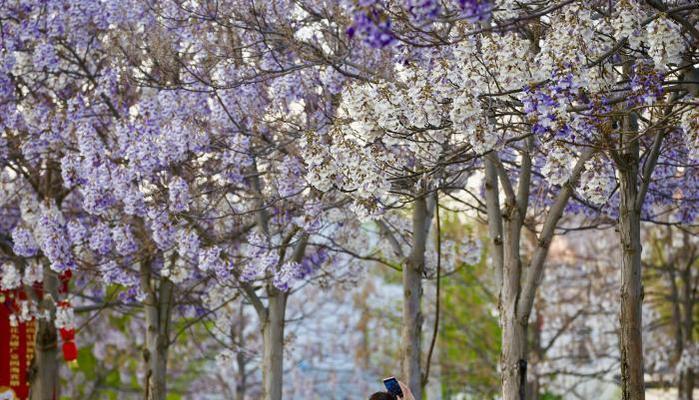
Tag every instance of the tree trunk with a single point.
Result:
(238, 335)
(241, 384)
(514, 358)
(158, 310)
(273, 345)
(514, 329)
(44, 374)
(686, 381)
(411, 344)
(492, 200)
(686, 385)
(631, 341)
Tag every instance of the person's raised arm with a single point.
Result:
(407, 394)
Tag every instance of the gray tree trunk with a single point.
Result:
(514, 329)
(158, 310)
(44, 373)
(631, 340)
(411, 343)
(273, 345)
(492, 199)
(238, 335)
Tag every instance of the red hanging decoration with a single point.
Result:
(66, 325)
(16, 347)
(64, 277)
(68, 335)
(70, 353)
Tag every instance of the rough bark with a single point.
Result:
(514, 329)
(44, 372)
(411, 346)
(630, 340)
(158, 312)
(273, 345)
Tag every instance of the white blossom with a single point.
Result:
(665, 42)
(690, 128)
(558, 165)
(11, 277)
(627, 24)
(597, 181)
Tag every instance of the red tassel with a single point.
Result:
(70, 352)
(67, 334)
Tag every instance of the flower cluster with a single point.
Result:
(471, 125)
(23, 242)
(627, 24)
(597, 181)
(100, 239)
(124, 241)
(188, 245)
(113, 274)
(371, 25)
(210, 260)
(571, 42)
(423, 10)
(665, 43)
(646, 85)
(179, 195)
(262, 258)
(476, 10)
(11, 278)
(559, 164)
(291, 177)
(53, 239)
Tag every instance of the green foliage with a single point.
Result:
(469, 336)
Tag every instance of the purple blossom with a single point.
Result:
(100, 239)
(162, 230)
(646, 85)
(188, 245)
(209, 258)
(423, 10)
(23, 242)
(113, 274)
(70, 170)
(371, 25)
(259, 264)
(237, 158)
(476, 10)
(45, 57)
(76, 232)
(178, 195)
(124, 241)
(286, 275)
(52, 237)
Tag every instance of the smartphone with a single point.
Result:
(393, 387)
